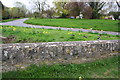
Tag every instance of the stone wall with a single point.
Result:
(20, 55)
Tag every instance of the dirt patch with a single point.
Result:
(9, 39)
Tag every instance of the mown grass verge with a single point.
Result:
(95, 24)
(106, 68)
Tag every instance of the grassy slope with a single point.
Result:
(96, 24)
(107, 68)
(23, 35)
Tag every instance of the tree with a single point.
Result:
(60, 9)
(1, 5)
(115, 14)
(15, 12)
(70, 8)
(1, 10)
(36, 14)
(87, 12)
(96, 7)
(75, 8)
(111, 8)
(118, 3)
(4, 12)
(21, 9)
(50, 12)
(40, 7)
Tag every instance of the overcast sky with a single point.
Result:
(28, 3)
(10, 3)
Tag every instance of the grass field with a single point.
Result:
(7, 20)
(106, 68)
(30, 35)
(95, 24)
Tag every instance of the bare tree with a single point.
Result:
(96, 7)
(40, 6)
(118, 3)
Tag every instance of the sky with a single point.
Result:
(28, 3)
(10, 3)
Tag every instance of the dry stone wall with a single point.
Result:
(13, 55)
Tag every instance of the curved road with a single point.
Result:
(20, 23)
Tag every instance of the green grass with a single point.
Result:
(30, 35)
(106, 68)
(96, 24)
(7, 20)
